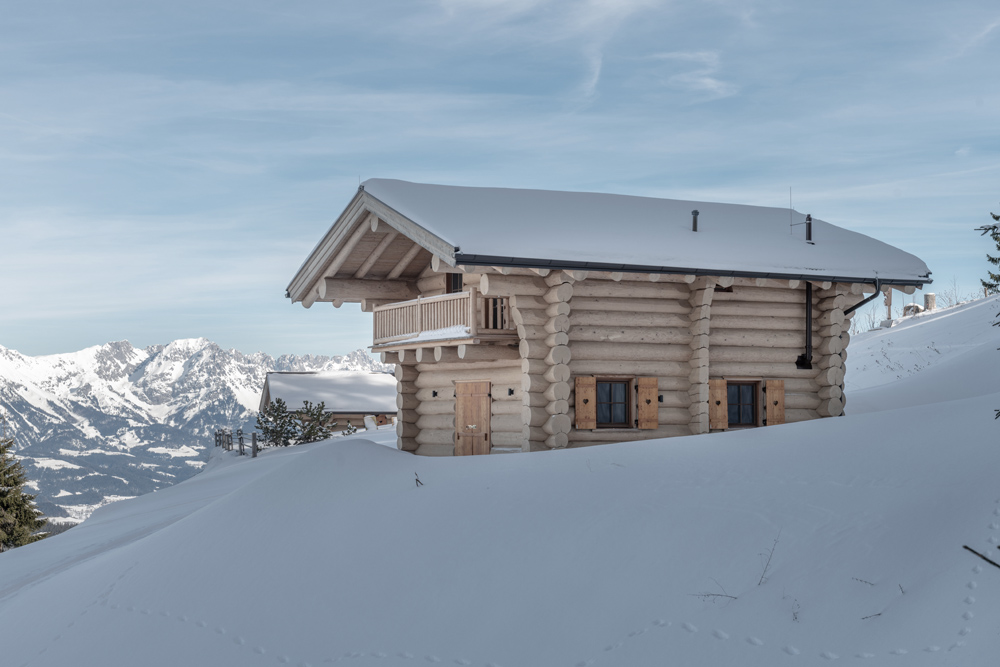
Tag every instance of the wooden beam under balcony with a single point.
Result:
(353, 289)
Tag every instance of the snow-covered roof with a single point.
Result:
(343, 392)
(543, 228)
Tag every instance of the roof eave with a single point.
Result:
(572, 265)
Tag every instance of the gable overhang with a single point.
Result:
(365, 219)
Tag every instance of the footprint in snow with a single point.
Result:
(977, 569)
(932, 649)
(956, 645)
(636, 633)
(899, 651)
(965, 631)
(753, 641)
(791, 650)
(994, 525)
(220, 631)
(404, 654)
(239, 641)
(719, 634)
(968, 615)
(691, 627)
(202, 624)
(972, 585)
(283, 659)
(259, 650)
(612, 647)
(661, 622)
(865, 656)
(432, 658)
(463, 662)
(379, 654)
(829, 656)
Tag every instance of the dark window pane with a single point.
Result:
(747, 415)
(734, 413)
(619, 413)
(603, 392)
(603, 413)
(746, 393)
(733, 394)
(618, 392)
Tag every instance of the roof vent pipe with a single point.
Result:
(694, 220)
(809, 228)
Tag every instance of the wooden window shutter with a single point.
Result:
(648, 414)
(774, 402)
(718, 404)
(586, 402)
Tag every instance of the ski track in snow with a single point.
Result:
(956, 642)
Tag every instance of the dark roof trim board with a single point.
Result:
(533, 263)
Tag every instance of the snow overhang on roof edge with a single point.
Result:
(462, 259)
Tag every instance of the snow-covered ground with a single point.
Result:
(650, 553)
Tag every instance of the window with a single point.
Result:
(741, 398)
(613, 404)
(453, 283)
(743, 402)
(617, 402)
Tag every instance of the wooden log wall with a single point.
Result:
(682, 330)
(628, 325)
(539, 308)
(435, 400)
(758, 331)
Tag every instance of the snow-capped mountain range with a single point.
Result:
(115, 421)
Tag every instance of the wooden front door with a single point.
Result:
(472, 418)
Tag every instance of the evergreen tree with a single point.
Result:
(277, 426)
(20, 521)
(993, 284)
(314, 423)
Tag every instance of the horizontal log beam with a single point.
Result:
(352, 288)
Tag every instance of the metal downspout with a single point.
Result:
(878, 291)
(805, 360)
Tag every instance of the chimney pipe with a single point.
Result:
(694, 220)
(809, 228)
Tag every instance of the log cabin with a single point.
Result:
(530, 320)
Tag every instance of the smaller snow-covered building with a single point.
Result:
(524, 320)
(349, 396)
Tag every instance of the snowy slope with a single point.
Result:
(114, 421)
(331, 554)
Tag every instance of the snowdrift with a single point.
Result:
(652, 553)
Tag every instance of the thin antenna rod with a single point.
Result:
(789, 209)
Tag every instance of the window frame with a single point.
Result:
(630, 407)
(758, 413)
(454, 283)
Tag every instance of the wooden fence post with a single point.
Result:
(253, 445)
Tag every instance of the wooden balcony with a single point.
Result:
(448, 319)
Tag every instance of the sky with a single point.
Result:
(165, 168)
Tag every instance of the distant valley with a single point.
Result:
(115, 421)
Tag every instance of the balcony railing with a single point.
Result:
(462, 315)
